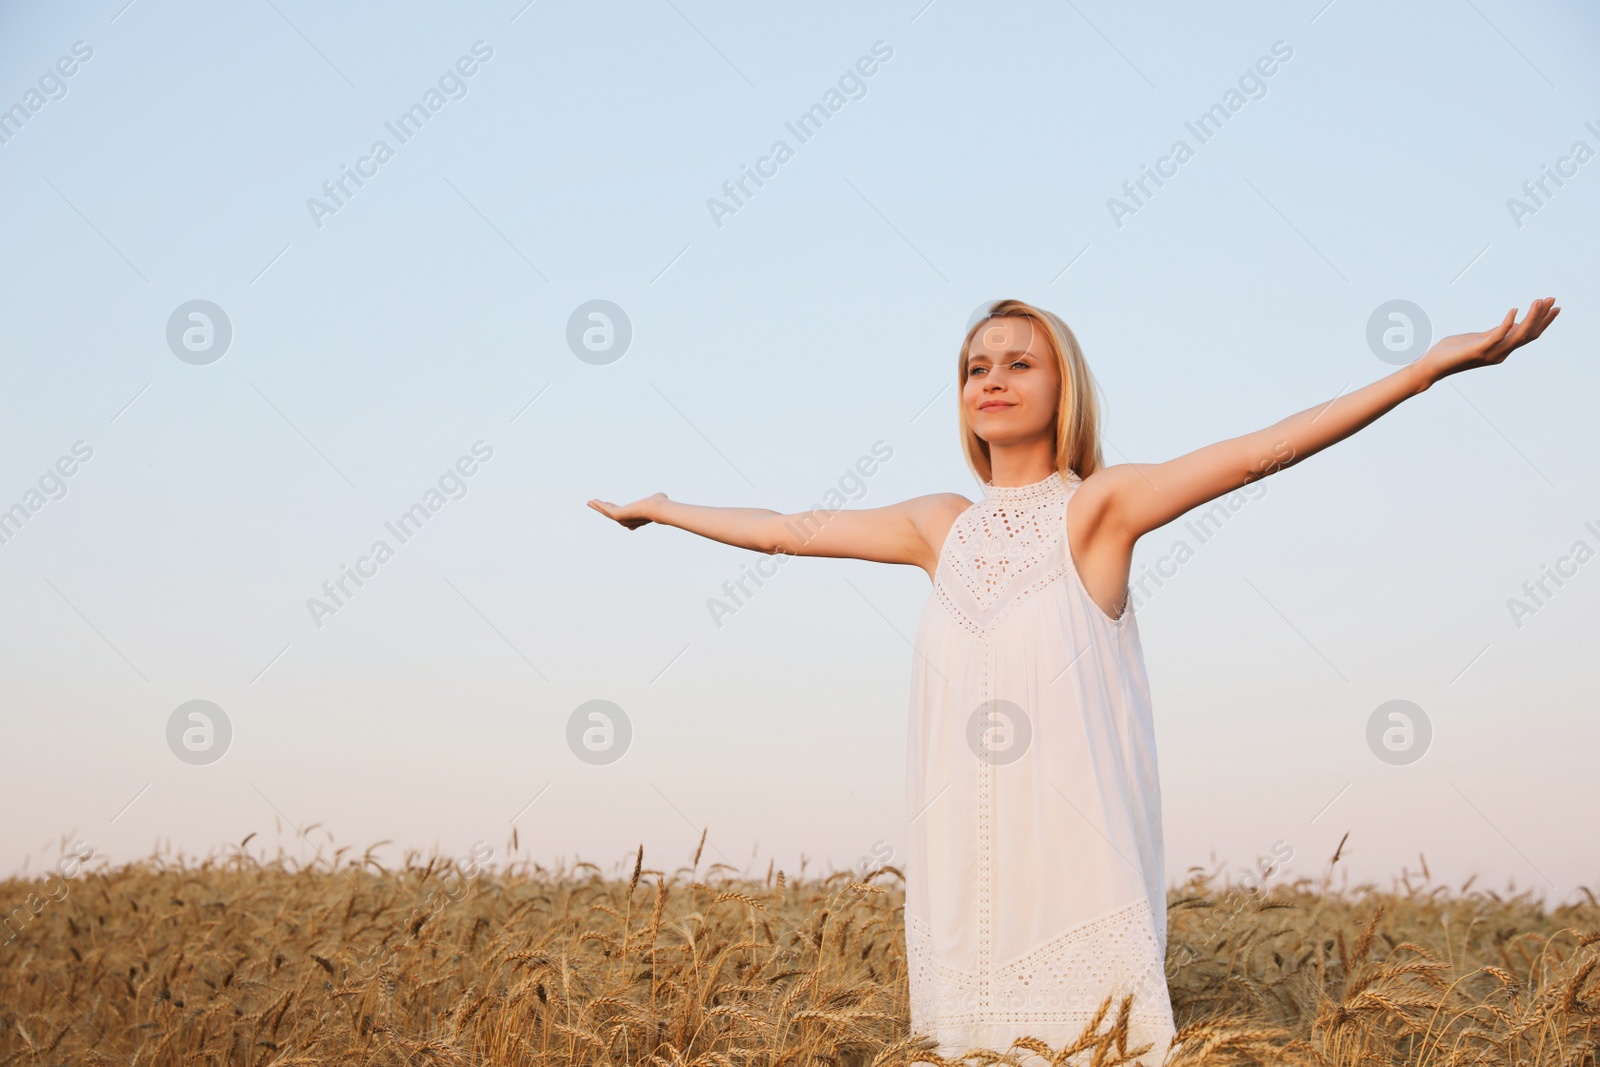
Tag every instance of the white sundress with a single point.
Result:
(1035, 874)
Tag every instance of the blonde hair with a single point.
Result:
(1077, 409)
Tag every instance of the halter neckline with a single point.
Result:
(1052, 485)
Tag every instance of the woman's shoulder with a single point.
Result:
(936, 506)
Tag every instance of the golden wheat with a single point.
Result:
(240, 961)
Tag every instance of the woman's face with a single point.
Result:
(1013, 387)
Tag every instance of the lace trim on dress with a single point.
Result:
(1044, 489)
(1053, 983)
(984, 630)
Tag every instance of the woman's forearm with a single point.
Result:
(1308, 432)
(1315, 429)
(750, 528)
(1145, 497)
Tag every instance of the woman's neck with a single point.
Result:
(1009, 467)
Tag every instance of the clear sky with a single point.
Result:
(397, 342)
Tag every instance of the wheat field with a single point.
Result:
(240, 960)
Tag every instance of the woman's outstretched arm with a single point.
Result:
(1129, 500)
(897, 533)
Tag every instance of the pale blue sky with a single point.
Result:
(769, 353)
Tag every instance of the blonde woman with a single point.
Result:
(1035, 879)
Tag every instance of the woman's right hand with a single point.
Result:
(632, 515)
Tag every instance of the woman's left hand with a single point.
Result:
(1464, 351)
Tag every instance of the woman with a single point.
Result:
(1035, 881)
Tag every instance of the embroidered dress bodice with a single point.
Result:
(1035, 881)
(1002, 550)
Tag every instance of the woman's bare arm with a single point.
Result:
(896, 533)
(1128, 500)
